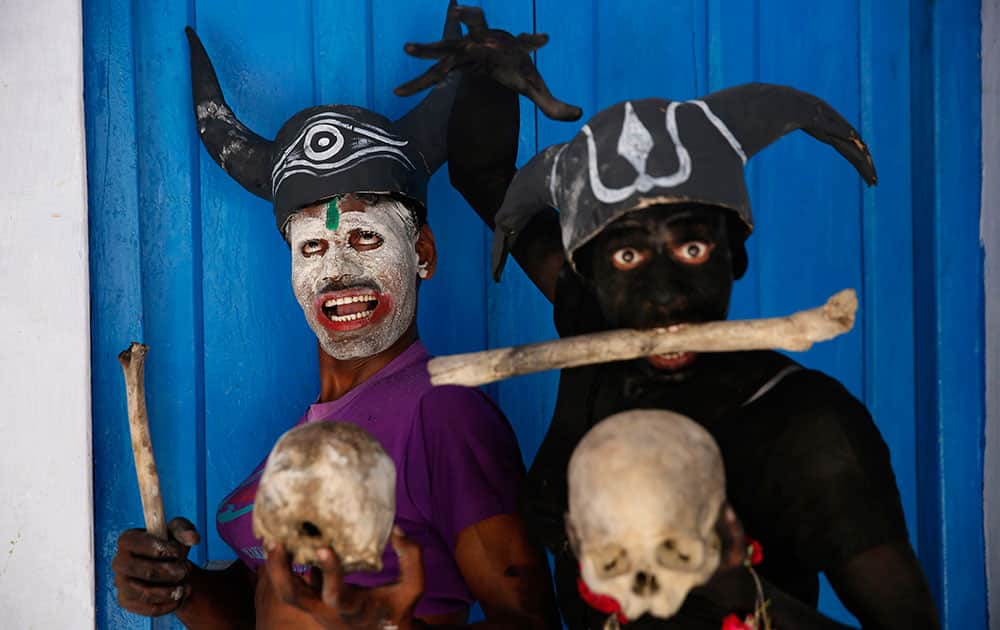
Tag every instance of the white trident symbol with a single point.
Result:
(636, 143)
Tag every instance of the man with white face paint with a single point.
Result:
(349, 193)
(355, 283)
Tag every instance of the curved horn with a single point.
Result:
(426, 125)
(757, 114)
(530, 192)
(239, 151)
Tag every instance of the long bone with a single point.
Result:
(133, 360)
(796, 332)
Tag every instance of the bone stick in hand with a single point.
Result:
(133, 360)
(797, 331)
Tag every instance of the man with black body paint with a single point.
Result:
(807, 469)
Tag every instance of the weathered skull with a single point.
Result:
(328, 484)
(645, 490)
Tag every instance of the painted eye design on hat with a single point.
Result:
(330, 143)
(322, 142)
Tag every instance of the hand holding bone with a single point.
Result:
(152, 575)
(507, 59)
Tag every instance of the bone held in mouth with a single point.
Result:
(795, 332)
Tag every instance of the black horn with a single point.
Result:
(529, 193)
(243, 154)
(759, 113)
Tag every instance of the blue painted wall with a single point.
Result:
(183, 259)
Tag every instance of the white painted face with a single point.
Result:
(357, 285)
(645, 491)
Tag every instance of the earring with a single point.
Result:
(422, 270)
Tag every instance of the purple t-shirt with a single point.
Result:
(457, 463)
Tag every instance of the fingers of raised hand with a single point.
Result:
(435, 50)
(526, 80)
(473, 18)
(434, 74)
(532, 41)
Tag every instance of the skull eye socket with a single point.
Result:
(610, 561)
(680, 554)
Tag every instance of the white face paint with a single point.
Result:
(357, 285)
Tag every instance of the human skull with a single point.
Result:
(328, 484)
(645, 491)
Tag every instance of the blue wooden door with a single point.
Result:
(185, 260)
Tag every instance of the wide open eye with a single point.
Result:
(363, 240)
(314, 247)
(609, 561)
(628, 258)
(693, 252)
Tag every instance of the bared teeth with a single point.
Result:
(350, 300)
(352, 317)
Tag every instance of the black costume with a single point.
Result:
(807, 470)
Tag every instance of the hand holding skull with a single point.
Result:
(505, 58)
(336, 605)
(327, 498)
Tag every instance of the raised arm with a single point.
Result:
(483, 128)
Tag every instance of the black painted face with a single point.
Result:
(661, 266)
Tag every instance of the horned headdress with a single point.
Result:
(653, 151)
(327, 150)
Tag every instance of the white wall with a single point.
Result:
(46, 513)
(990, 234)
